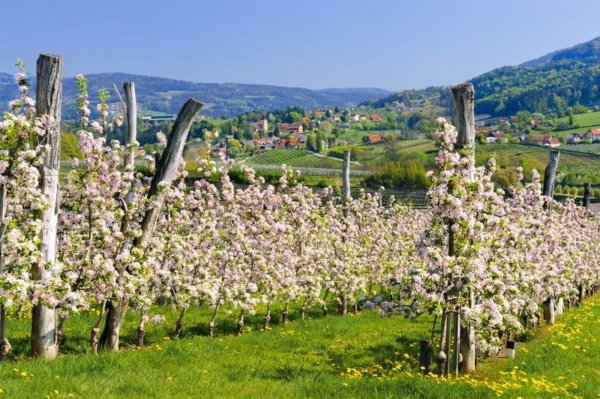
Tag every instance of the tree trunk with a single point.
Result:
(267, 317)
(211, 324)
(141, 331)
(109, 340)
(179, 325)
(94, 336)
(48, 102)
(285, 312)
(303, 310)
(240, 323)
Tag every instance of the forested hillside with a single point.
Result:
(550, 83)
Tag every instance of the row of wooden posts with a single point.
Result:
(49, 73)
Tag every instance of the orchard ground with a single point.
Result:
(355, 356)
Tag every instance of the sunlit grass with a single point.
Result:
(322, 357)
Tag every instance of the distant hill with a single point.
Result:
(550, 83)
(223, 100)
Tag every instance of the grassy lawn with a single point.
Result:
(323, 357)
(583, 122)
(510, 154)
(295, 157)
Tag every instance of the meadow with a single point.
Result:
(355, 356)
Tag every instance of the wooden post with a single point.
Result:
(550, 174)
(346, 177)
(165, 171)
(457, 342)
(48, 102)
(425, 356)
(549, 311)
(464, 116)
(4, 344)
(549, 183)
(464, 121)
(586, 195)
(131, 117)
(166, 168)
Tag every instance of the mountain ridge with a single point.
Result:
(162, 94)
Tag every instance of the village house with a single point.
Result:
(546, 141)
(290, 128)
(375, 118)
(297, 140)
(521, 136)
(494, 136)
(343, 126)
(593, 134)
(574, 138)
(374, 139)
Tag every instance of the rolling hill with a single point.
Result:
(550, 83)
(221, 99)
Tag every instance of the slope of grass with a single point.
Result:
(294, 157)
(323, 357)
(511, 154)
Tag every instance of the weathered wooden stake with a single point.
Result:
(425, 356)
(346, 176)
(48, 102)
(456, 358)
(166, 168)
(586, 195)
(550, 174)
(464, 121)
(165, 172)
(549, 311)
(131, 118)
(464, 116)
(549, 183)
(560, 306)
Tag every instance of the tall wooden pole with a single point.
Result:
(550, 174)
(464, 116)
(464, 121)
(166, 168)
(48, 102)
(165, 172)
(131, 115)
(346, 177)
(549, 183)
(586, 195)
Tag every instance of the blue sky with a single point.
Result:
(392, 44)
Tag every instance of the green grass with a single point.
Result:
(511, 154)
(321, 357)
(583, 122)
(295, 158)
(590, 148)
